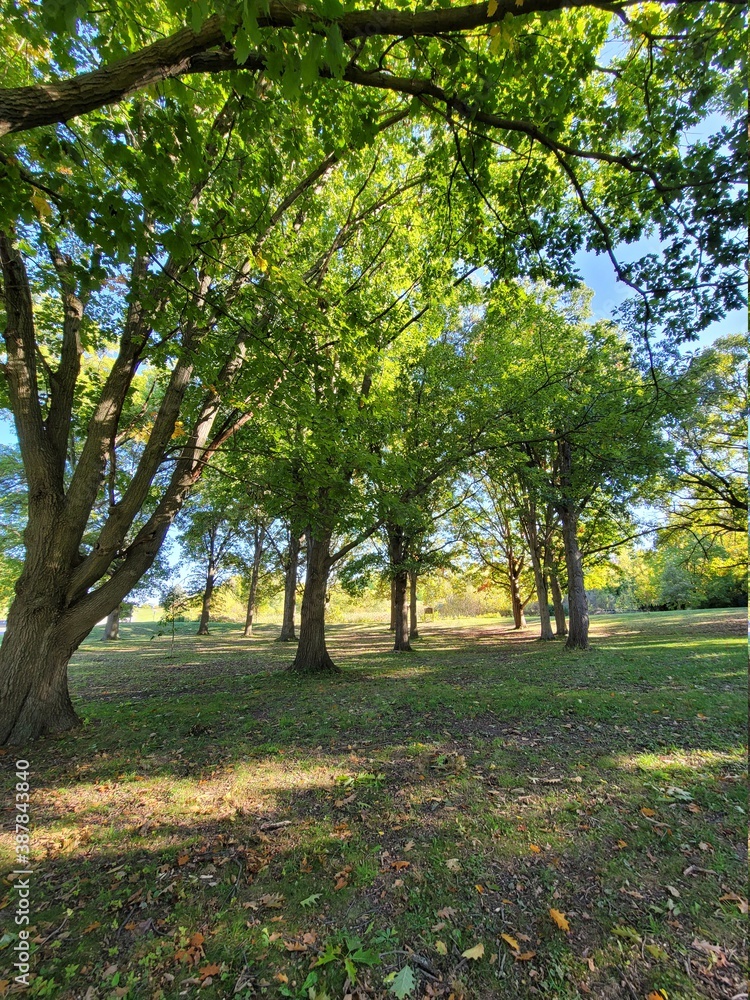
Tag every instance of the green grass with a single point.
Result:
(430, 802)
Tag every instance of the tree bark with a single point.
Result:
(34, 698)
(288, 633)
(207, 594)
(397, 552)
(112, 628)
(312, 655)
(561, 626)
(516, 601)
(413, 617)
(252, 596)
(532, 537)
(578, 608)
(392, 626)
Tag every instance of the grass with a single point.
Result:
(219, 828)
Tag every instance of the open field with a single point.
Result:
(220, 828)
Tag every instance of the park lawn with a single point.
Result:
(220, 828)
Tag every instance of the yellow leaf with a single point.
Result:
(559, 919)
(491, 8)
(261, 262)
(511, 941)
(476, 952)
(658, 995)
(441, 948)
(42, 206)
(620, 844)
(648, 812)
(535, 848)
(524, 956)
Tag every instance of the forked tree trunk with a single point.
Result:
(112, 627)
(207, 594)
(290, 590)
(413, 618)
(312, 656)
(254, 575)
(561, 626)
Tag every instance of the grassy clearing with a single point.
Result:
(219, 828)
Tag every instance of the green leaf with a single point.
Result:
(404, 983)
(311, 900)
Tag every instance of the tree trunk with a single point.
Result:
(561, 626)
(392, 626)
(312, 656)
(516, 601)
(112, 628)
(401, 590)
(290, 590)
(531, 530)
(413, 619)
(34, 698)
(206, 608)
(252, 596)
(578, 635)
(545, 623)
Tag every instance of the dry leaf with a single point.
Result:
(91, 927)
(209, 970)
(648, 812)
(441, 948)
(511, 941)
(620, 844)
(447, 912)
(294, 946)
(559, 919)
(453, 863)
(475, 953)
(400, 865)
(183, 859)
(524, 956)
(657, 995)
(672, 891)
(342, 883)
(196, 940)
(535, 848)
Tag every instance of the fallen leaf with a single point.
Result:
(658, 995)
(524, 956)
(447, 912)
(342, 883)
(209, 970)
(441, 948)
(474, 953)
(400, 865)
(91, 927)
(453, 863)
(672, 891)
(196, 940)
(510, 941)
(559, 919)
(656, 952)
(438, 927)
(621, 844)
(535, 848)
(294, 946)
(183, 859)
(648, 812)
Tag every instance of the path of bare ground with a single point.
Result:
(398, 816)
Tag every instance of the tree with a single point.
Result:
(161, 213)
